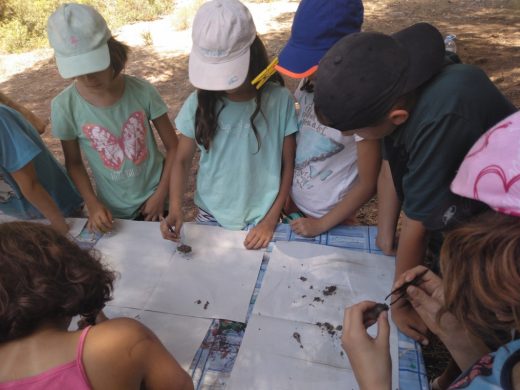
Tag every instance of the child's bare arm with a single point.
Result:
(369, 162)
(179, 176)
(262, 233)
(100, 218)
(34, 192)
(153, 208)
(427, 299)
(388, 209)
(410, 253)
(38, 124)
(124, 354)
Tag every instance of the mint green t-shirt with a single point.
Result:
(117, 141)
(236, 182)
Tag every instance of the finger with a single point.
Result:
(263, 242)
(253, 242)
(178, 227)
(248, 239)
(295, 226)
(383, 328)
(90, 225)
(98, 227)
(353, 317)
(104, 220)
(414, 334)
(408, 276)
(257, 243)
(105, 225)
(431, 282)
(424, 304)
(109, 217)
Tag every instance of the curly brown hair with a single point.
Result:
(45, 276)
(480, 263)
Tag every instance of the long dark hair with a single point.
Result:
(206, 116)
(118, 55)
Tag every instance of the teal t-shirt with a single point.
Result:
(237, 182)
(117, 141)
(20, 145)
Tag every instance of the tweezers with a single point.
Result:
(402, 290)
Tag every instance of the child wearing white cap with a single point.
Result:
(245, 135)
(106, 115)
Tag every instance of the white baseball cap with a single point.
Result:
(222, 33)
(79, 35)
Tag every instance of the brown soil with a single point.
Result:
(488, 33)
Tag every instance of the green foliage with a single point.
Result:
(23, 22)
(184, 13)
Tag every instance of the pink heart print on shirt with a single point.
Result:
(490, 171)
(112, 150)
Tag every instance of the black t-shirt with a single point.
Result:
(452, 111)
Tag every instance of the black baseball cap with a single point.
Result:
(363, 74)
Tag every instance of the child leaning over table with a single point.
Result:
(245, 135)
(334, 174)
(478, 296)
(428, 112)
(32, 183)
(106, 115)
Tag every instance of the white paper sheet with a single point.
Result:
(281, 354)
(270, 357)
(76, 225)
(215, 280)
(181, 335)
(137, 251)
(298, 274)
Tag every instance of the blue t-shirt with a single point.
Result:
(493, 371)
(20, 144)
(238, 181)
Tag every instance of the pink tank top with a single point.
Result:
(67, 376)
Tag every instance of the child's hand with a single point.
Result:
(100, 218)
(409, 322)
(307, 226)
(369, 357)
(172, 225)
(387, 244)
(427, 299)
(259, 236)
(153, 208)
(60, 226)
